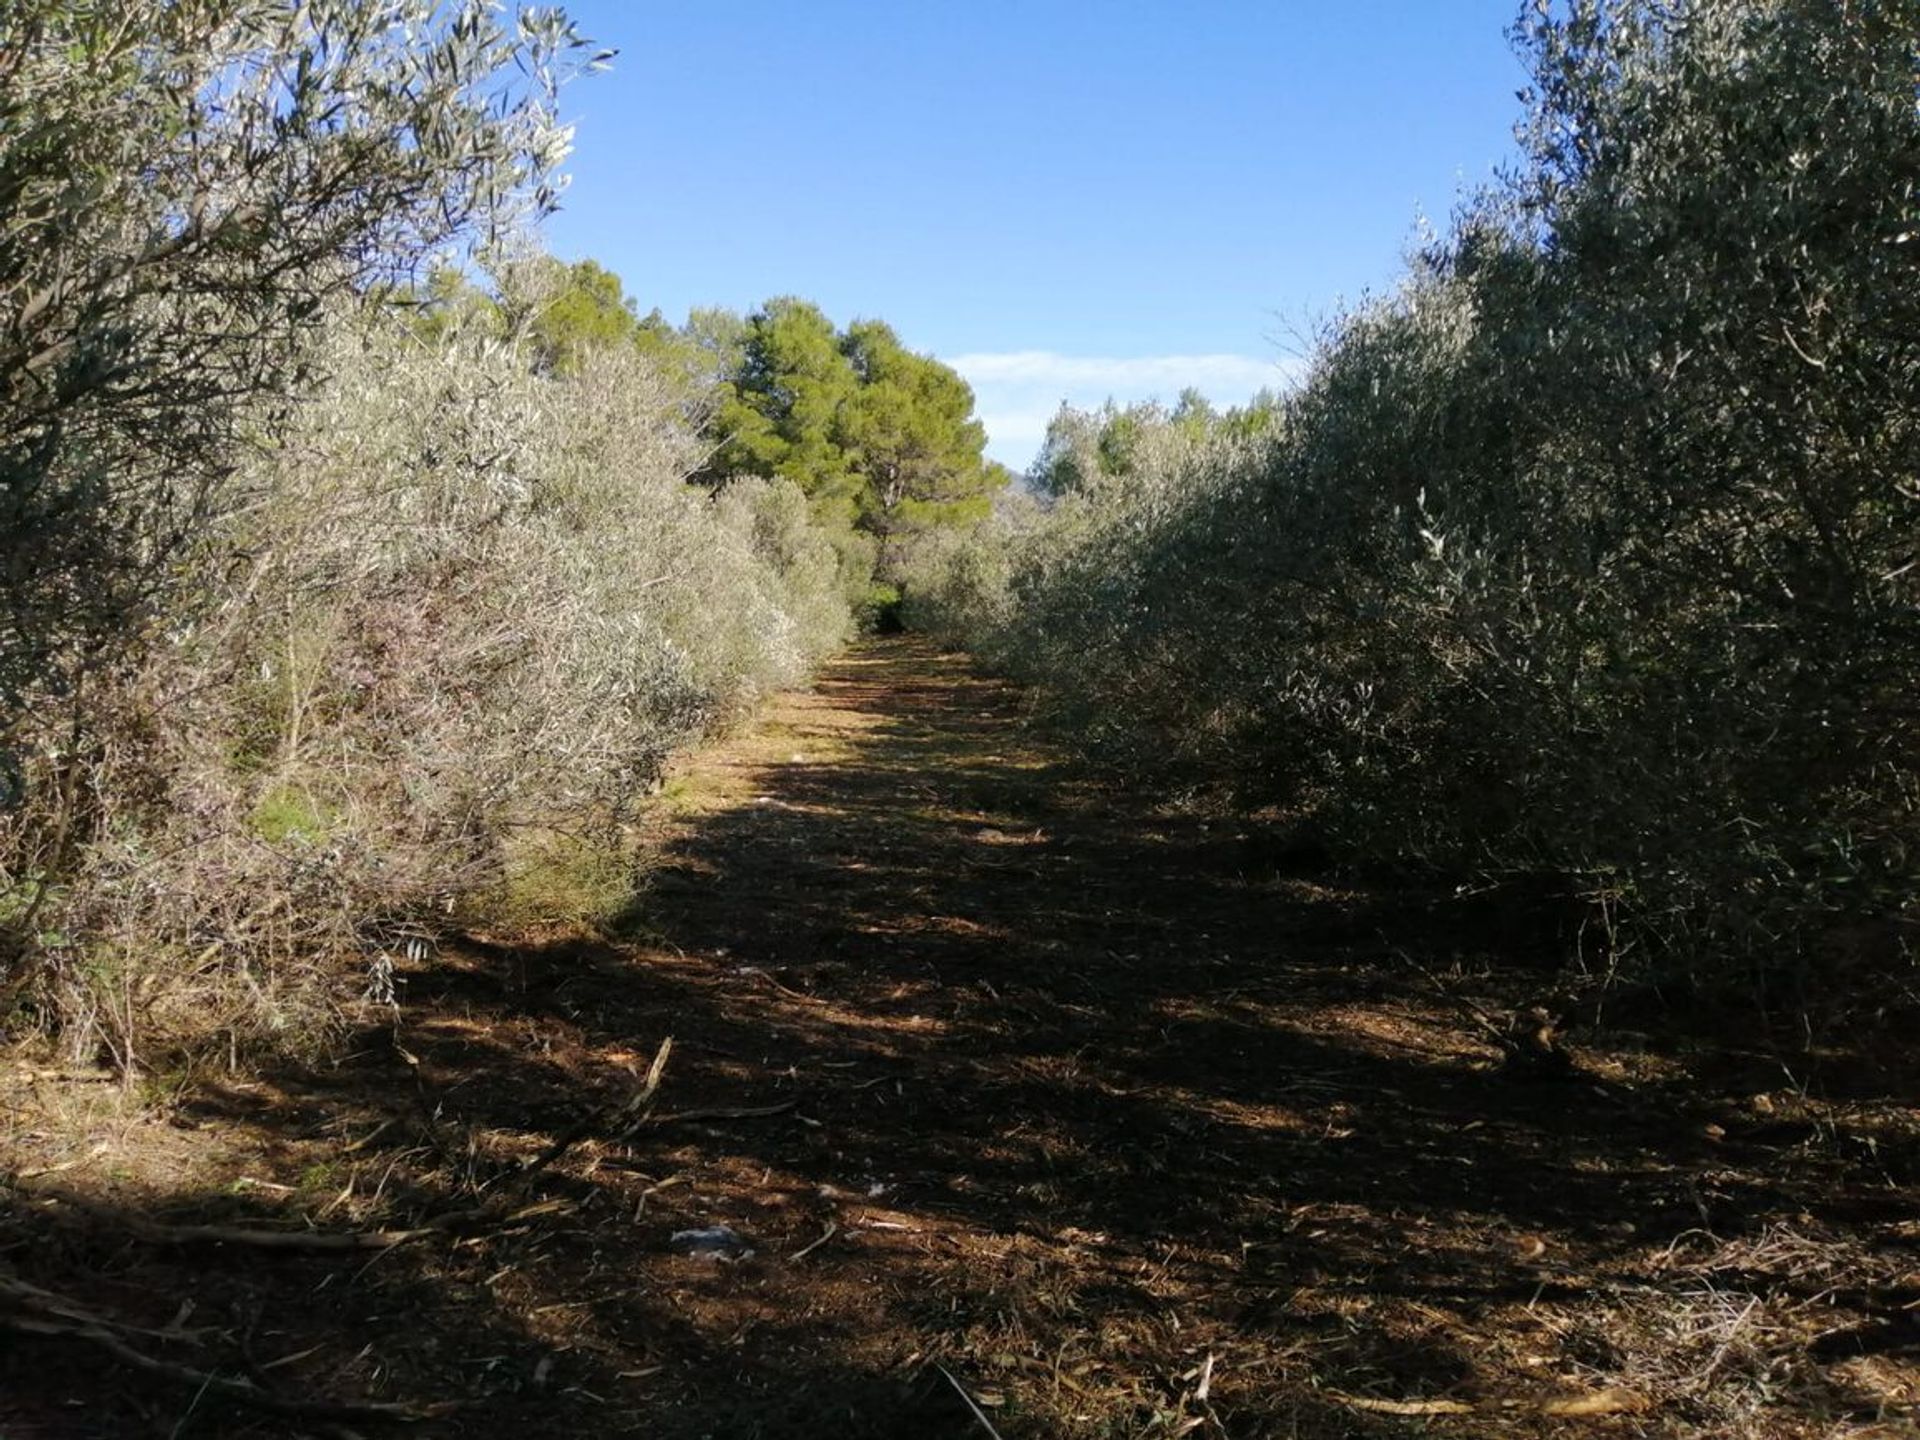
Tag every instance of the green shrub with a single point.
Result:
(286, 814)
(1590, 550)
(553, 879)
(879, 609)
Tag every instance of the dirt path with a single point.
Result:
(1131, 1130)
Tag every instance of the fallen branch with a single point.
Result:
(70, 1163)
(961, 1390)
(833, 1229)
(58, 1307)
(633, 1113)
(1611, 1401)
(744, 1112)
(68, 1077)
(243, 1392)
(1403, 1407)
(161, 1233)
(757, 973)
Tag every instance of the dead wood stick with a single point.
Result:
(833, 1229)
(68, 1077)
(743, 1112)
(760, 974)
(308, 1240)
(59, 1307)
(978, 1413)
(633, 1112)
(243, 1392)
(71, 1162)
(1475, 1012)
(1611, 1401)
(1403, 1407)
(162, 1233)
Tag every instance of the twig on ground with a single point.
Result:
(1612, 1401)
(368, 1138)
(743, 1112)
(961, 1390)
(632, 1113)
(71, 1162)
(833, 1229)
(1402, 1407)
(1600, 1402)
(58, 1307)
(757, 973)
(160, 1233)
(243, 1392)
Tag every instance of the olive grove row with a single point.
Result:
(1590, 551)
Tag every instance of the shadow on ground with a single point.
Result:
(1084, 1103)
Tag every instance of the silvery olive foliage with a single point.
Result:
(184, 187)
(424, 676)
(1590, 550)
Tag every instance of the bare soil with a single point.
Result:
(1120, 1121)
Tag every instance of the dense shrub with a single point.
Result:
(319, 631)
(183, 188)
(426, 670)
(1591, 549)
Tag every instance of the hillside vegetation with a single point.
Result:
(1587, 554)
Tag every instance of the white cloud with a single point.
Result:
(1016, 432)
(1044, 367)
(1017, 392)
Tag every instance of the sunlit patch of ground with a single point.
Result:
(1005, 1082)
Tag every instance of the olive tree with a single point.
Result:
(183, 189)
(1589, 552)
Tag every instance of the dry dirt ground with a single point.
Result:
(1042, 1111)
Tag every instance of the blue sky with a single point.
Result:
(1065, 201)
